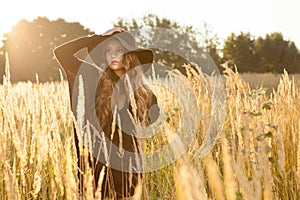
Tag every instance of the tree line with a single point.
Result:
(30, 47)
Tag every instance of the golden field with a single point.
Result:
(269, 80)
(256, 153)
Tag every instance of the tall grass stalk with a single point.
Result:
(257, 155)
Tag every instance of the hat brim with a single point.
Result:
(146, 56)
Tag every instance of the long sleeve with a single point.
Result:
(154, 109)
(65, 54)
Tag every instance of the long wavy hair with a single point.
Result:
(108, 86)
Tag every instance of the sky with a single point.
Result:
(258, 17)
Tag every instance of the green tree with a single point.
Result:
(211, 44)
(30, 47)
(183, 43)
(239, 50)
(277, 54)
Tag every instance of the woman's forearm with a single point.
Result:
(65, 53)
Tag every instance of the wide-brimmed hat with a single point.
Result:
(145, 55)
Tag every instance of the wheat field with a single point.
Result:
(256, 155)
(269, 80)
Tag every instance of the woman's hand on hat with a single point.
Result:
(109, 32)
(114, 30)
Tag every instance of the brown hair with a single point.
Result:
(108, 83)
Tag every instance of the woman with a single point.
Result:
(110, 108)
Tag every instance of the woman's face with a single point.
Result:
(114, 52)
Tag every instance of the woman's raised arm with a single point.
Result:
(65, 54)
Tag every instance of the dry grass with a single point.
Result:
(257, 156)
(268, 80)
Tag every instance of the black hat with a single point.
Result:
(145, 56)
